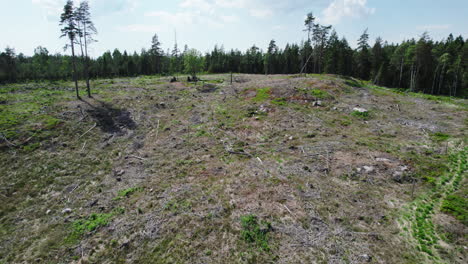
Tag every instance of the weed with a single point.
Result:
(255, 232)
(127, 192)
(457, 205)
(262, 94)
(361, 115)
(440, 137)
(319, 94)
(279, 101)
(89, 224)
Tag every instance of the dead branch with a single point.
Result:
(240, 153)
(6, 140)
(95, 124)
(136, 157)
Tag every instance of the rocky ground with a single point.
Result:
(268, 169)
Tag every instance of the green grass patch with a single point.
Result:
(262, 94)
(361, 115)
(255, 231)
(86, 225)
(319, 94)
(279, 101)
(440, 137)
(127, 192)
(457, 205)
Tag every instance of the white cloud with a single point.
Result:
(201, 5)
(434, 27)
(229, 18)
(279, 27)
(339, 9)
(53, 8)
(183, 19)
(142, 28)
(261, 13)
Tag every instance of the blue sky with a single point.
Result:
(130, 24)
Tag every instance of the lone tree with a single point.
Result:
(70, 30)
(87, 30)
(156, 53)
(193, 62)
(309, 24)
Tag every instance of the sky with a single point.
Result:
(238, 24)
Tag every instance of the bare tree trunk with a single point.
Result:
(401, 73)
(88, 88)
(74, 70)
(435, 77)
(441, 82)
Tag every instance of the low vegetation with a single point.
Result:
(268, 169)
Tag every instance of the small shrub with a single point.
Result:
(361, 115)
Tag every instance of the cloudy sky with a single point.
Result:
(130, 24)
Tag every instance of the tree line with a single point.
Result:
(420, 65)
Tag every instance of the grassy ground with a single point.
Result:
(275, 169)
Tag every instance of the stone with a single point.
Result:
(360, 110)
(368, 169)
(66, 211)
(365, 257)
(382, 160)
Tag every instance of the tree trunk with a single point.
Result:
(86, 66)
(74, 70)
(401, 73)
(441, 82)
(435, 77)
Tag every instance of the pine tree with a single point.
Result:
(87, 30)
(363, 57)
(156, 53)
(70, 30)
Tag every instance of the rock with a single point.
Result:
(401, 177)
(365, 257)
(368, 169)
(382, 160)
(360, 110)
(263, 109)
(66, 211)
(319, 103)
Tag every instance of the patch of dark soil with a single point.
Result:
(110, 119)
(208, 88)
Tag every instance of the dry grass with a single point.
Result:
(182, 166)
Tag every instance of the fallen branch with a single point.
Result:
(82, 148)
(7, 141)
(95, 124)
(136, 157)
(289, 211)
